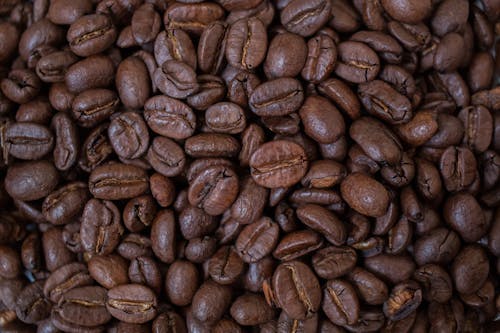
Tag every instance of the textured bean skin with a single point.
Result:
(249, 166)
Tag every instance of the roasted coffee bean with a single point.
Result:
(133, 82)
(321, 58)
(146, 271)
(277, 97)
(66, 146)
(91, 34)
(470, 269)
(108, 270)
(214, 189)
(365, 195)
(145, 24)
(211, 301)
(257, 240)
(101, 227)
(333, 262)
(65, 278)
(246, 43)
(278, 164)
(340, 302)
(27, 141)
(296, 276)
(323, 221)
(192, 17)
(31, 305)
(464, 215)
(321, 120)
(176, 79)
(357, 62)
(166, 157)
(117, 181)
(31, 180)
(305, 18)
(403, 300)
(225, 266)
(21, 85)
(370, 288)
(286, 56)
(61, 206)
(225, 117)
(212, 145)
(163, 236)
(132, 303)
(251, 309)
(169, 117)
(92, 72)
(437, 285)
(385, 103)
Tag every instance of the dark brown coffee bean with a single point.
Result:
(324, 127)
(390, 267)
(166, 157)
(163, 236)
(376, 140)
(169, 117)
(436, 282)
(342, 95)
(31, 305)
(66, 12)
(250, 203)
(278, 164)
(297, 244)
(62, 205)
(83, 306)
(10, 263)
(101, 227)
(305, 18)
(132, 303)
(370, 288)
(211, 301)
(133, 82)
(246, 43)
(225, 266)
(463, 213)
(257, 240)
(169, 322)
(27, 141)
(403, 300)
(212, 47)
(385, 103)
(181, 282)
(332, 262)
(66, 278)
(305, 298)
(117, 181)
(286, 56)
(277, 97)
(357, 62)
(21, 85)
(146, 271)
(192, 17)
(214, 189)
(321, 58)
(66, 145)
(470, 269)
(323, 221)
(478, 125)
(96, 71)
(225, 117)
(31, 180)
(135, 245)
(212, 145)
(439, 246)
(91, 34)
(108, 270)
(52, 67)
(251, 309)
(145, 24)
(340, 302)
(365, 195)
(195, 222)
(176, 79)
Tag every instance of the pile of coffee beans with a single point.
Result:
(249, 166)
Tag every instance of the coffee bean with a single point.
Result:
(305, 299)
(246, 43)
(91, 34)
(132, 303)
(340, 302)
(117, 181)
